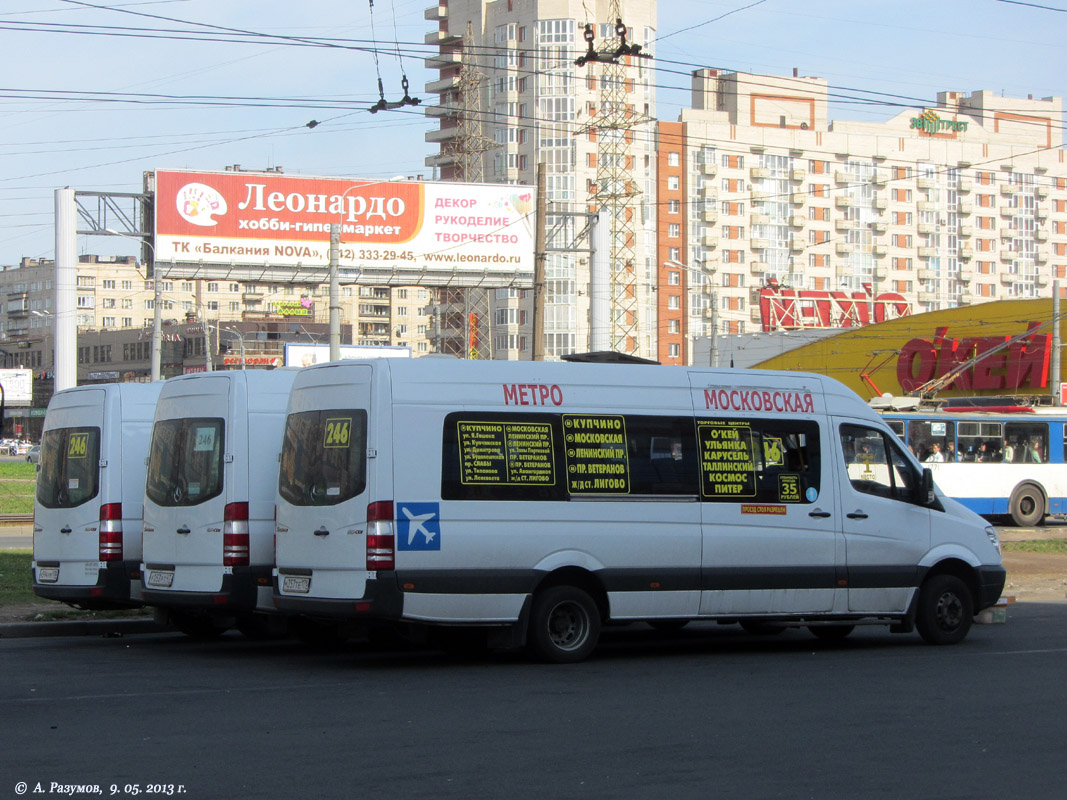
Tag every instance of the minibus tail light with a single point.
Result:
(235, 545)
(110, 532)
(381, 543)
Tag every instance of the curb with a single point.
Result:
(106, 628)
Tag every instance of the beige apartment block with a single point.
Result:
(955, 203)
(515, 97)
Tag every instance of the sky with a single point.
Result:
(97, 92)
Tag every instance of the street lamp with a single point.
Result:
(241, 339)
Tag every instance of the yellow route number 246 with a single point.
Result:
(338, 432)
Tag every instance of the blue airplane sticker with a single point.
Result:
(418, 526)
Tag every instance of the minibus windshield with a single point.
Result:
(185, 462)
(70, 467)
(323, 457)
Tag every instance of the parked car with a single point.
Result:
(33, 455)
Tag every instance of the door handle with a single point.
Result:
(64, 530)
(183, 530)
(819, 513)
(856, 515)
(322, 532)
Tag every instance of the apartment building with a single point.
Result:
(840, 223)
(511, 96)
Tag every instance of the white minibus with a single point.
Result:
(543, 500)
(209, 501)
(90, 495)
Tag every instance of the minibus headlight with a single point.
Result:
(994, 539)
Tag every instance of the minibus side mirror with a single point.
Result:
(925, 495)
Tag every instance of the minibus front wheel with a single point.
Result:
(946, 610)
(564, 625)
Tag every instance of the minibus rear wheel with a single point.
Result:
(946, 610)
(564, 625)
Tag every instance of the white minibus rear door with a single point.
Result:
(886, 529)
(325, 489)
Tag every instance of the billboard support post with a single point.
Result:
(66, 323)
(335, 299)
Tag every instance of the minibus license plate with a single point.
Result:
(48, 574)
(161, 579)
(296, 584)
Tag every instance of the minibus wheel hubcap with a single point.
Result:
(567, 625)
(949, 611)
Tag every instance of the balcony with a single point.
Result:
(966, 299)
(966, 231)
(710, 215)
(927, 274)
(443, 60)
(439, 135)
(927, 297)
(842, 201)
(440, 37)
(881, 273)
(757, 173)
(966, 253)
(1008, 212)
(879, 177)
(925, 205)
(965, 276)
(1007, 234)
(1041, 280)
(926, 183)
(880, 203)
(1041, 257)
(843, 248)
(711, 240)
(759, 219)
(844, 271)
(926, 227)
(436, 13)
(447, 110)
(759, 244)
(797, 246)
(710, 168)
(1007, 256)
(442, 85)
(966, 208)
(1041, 192)
(842, 225)
(843, 176)
(1008, 278)
(880, 250)
(758, 267)
(879, 227)
(927, 252)
(798, 174)
(755, 314)
(965, 186)
(1041, 235)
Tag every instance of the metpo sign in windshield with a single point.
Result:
(254, 218)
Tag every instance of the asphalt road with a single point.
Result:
(709, 712)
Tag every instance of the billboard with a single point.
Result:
(996, 348)
(304, 355)
(18, 387)
(256, 225)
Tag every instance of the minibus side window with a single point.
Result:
(490, 455)
(759, 460)
(70, 467)
(324, 457)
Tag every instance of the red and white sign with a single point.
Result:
(249, 218)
